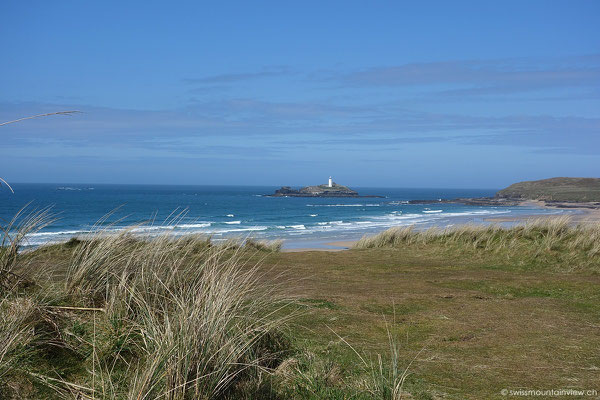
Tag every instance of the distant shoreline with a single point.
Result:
(588, 212)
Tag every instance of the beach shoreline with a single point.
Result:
(584, 213)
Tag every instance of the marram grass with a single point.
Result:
(157, 318)
(197, 322)
(545, 239)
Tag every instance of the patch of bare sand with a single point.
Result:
(337, 246)
(343, 243)
(302, 249)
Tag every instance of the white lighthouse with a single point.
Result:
(330, 182)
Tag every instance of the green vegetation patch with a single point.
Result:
(319, 303)
(555, 189)
(394, 310)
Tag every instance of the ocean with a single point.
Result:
(242, 211)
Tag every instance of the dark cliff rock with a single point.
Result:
(285, 191)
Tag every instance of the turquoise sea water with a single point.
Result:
(226, 211)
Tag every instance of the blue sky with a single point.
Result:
(420, 94)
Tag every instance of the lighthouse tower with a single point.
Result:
(330, 182)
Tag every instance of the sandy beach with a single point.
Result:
(584, 212)
(329, 246)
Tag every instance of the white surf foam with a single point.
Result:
(194, 226)
(302, 227)
(44, 234)
(248, 229)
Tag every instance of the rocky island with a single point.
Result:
(330, 189)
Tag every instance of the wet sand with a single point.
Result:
(587, 217)
(581, 212)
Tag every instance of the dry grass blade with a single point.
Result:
(32, 117)
(6, 183)
(39, 116)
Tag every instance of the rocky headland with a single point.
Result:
(574, 193)
(571, 190)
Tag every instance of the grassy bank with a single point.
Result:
(548, 243)
(436, 314)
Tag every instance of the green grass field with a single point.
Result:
(426, 315)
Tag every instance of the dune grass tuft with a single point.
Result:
(160, 317)
(536, 238)
(262, 245)
(17, 317)
(197, 322)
